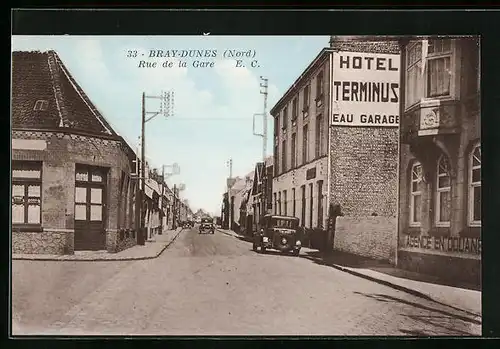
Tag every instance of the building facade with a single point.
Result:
(440, 158)
(336, 136)
(262, 190)
(300, 145)
(72, 187)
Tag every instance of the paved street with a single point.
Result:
(216, 285)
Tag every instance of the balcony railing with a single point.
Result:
(436, 117)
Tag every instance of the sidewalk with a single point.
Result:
(458, 295)
(152, 249)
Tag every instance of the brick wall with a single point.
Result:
(359, 44)
(364, 182)
(58, 173)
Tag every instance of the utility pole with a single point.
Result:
(174, 209)
(166, 109)
(264, 85)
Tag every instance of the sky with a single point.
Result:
(214, 106)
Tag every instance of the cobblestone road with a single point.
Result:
(215, 285)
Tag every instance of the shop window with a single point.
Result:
(279, 203)
(26, 193)
(285, 203)
(293, 203)
(475, 187)
(439, 53)
(443, 195)
(284, 123)
(416, 195)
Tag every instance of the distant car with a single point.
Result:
(207, 225)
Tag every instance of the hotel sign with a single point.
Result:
(365, 89)
(446, 244)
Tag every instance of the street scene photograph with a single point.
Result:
(245, 186)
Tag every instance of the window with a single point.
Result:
(305, 144)
(276, 157)
(416, 195)
(293, 202)
(475, 187)
(295, 108)
(319, 88)
(279, 203)
(284, 123)
(320, 204)
(285, 208)
(294, 150)
(438, 68)
(41, 105)
(275, 204)
(413, 73)
(311, 203)
(319, 136)
(283, 156)
(303, 213)
(443, 197)
(306, 96)
(276, 125)
(26, 192)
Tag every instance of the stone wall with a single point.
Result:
(119, 240)
(46, 242)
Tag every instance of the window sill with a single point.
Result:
(27, 228)
(430, 102)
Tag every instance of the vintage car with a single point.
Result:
(188, 224)
(278, 232)
(207, 225)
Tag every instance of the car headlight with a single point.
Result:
(265, 239)
(283, 241)
(298, 243)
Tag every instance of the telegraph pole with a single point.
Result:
(166, 109)
(264, 85)
(174, 209)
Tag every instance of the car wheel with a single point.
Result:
(262, 249)
(254, 247)
(296, 253)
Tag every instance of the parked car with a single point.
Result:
(207, 225)
(278, 232)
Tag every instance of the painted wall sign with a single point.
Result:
(447, 244)
(311, 173)
(365, 89)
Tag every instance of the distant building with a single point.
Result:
(261, 195)
(440, 158)
(336, 141)
(72, 187)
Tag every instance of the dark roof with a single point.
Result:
(42, 76)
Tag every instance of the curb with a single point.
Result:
(395, 286)
(103, 259)
(236, 236)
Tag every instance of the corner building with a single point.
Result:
(440, 158)
(336, 142)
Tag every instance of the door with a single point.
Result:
(90, 208)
